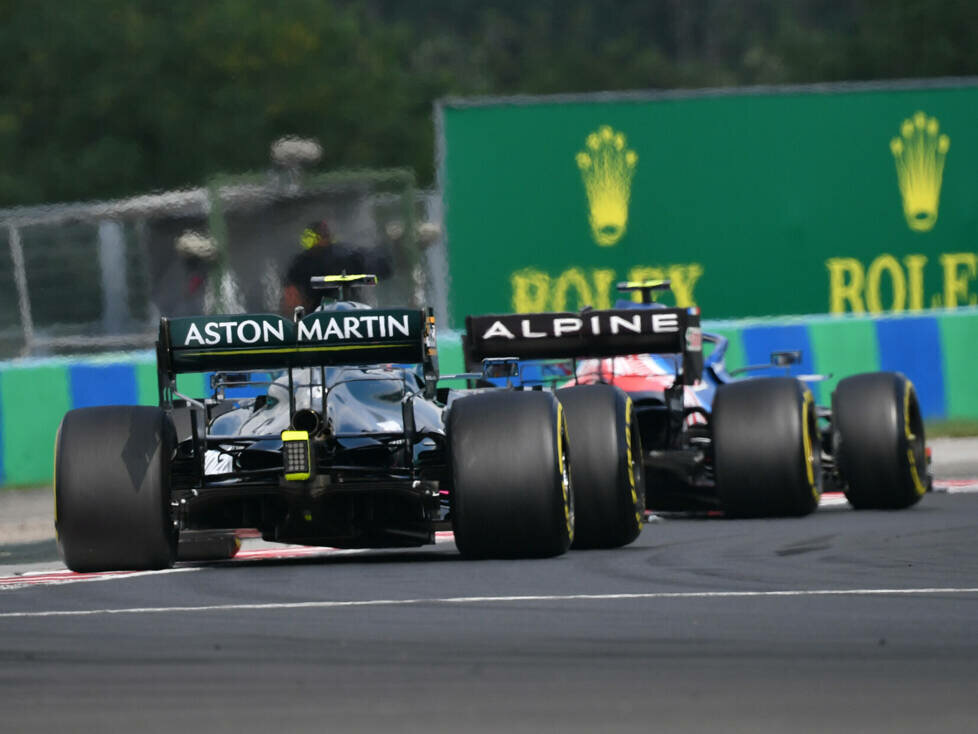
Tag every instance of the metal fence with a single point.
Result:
(97, 276)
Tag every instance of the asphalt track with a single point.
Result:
(841, 621)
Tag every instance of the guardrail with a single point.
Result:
(936, 351)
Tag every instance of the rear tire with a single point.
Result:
(511, 495)
(765, 445)
(112, 489)
(878, 437)
(606, 456)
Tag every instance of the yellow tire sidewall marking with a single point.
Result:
(631, 469)
(808, 404)
(564, 480)
(918, 486)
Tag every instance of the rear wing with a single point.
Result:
(268, 341)
(593, 333)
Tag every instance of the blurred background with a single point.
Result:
(126, 126)
(166, 158)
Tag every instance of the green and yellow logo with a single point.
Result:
(919, 152)
(607, 167)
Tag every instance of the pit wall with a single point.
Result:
(937, 351)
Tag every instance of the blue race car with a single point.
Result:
(750, 446)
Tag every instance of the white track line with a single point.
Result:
(494, 600)
(51, 578)
(828, 500)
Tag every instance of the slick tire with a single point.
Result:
(511, 494)
(766, 455)
(878, 441)
(111, 489)
(606, 456)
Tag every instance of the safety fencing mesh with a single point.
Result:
(97, 276)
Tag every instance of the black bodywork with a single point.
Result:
(379, 472)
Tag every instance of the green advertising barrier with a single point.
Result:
(936, 351)
(851, 198)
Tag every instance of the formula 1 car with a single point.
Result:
(350, 443)
(750, 447)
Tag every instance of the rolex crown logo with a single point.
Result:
(607, 167)
(919, 152)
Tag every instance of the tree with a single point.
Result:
(109, 98)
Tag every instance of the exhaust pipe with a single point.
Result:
(307, 420)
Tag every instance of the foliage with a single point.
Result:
(108, 98)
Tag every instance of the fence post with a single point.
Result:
(23, 298)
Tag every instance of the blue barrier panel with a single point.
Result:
(912, 346)
(760, 341)
(103, 384)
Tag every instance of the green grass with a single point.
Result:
(953, 428)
